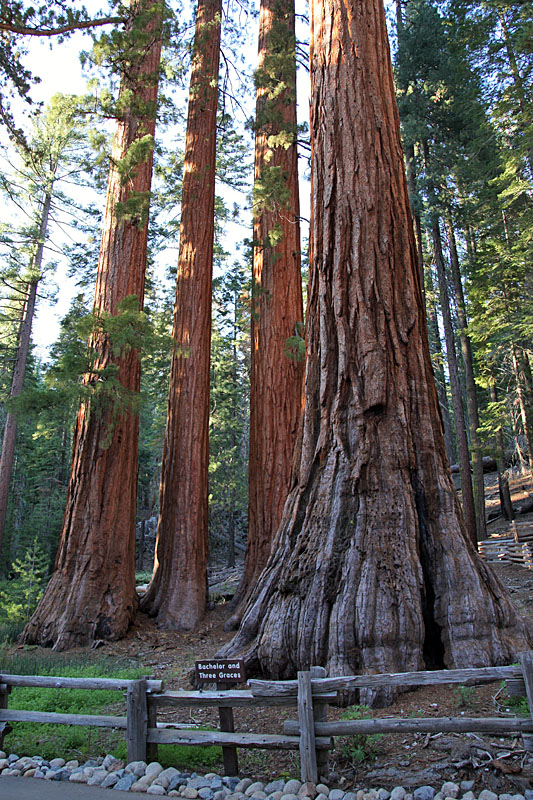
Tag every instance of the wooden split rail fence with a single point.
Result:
(514, 548)
(311, 734)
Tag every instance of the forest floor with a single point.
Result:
(497, 763)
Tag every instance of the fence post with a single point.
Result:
(5, 727)
(320, 714)
(526, 662)
(308, 765)
(151, 747)
(229, 752)
(137, 720)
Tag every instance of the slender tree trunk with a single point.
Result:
(503, 484)
(521, 391)
(230, 561)
(514, 414)
(471, 393)
(91, 594)
(233, 440)
(460, 423)
(19, 370)
(440, 380)
(372, 568)
(438, 364)
(178, 590)
(277, 313)
(411, 184)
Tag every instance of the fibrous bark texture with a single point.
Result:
(91, 594)
(178, 590)
(371, 569)
(277, 368)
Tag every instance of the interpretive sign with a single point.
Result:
(220, 670)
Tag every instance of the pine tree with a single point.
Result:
(229, 418)
(49, 156)
(19, 21)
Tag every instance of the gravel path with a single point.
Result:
(57, 778)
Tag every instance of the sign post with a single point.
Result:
(223, 673)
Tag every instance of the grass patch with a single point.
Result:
(81, 742)
(49, 740)
(181, 756)
(10, 631)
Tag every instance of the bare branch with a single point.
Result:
(22, 30)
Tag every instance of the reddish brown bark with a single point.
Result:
(371, 569)
(91, 594)
(277, 314)
(177, 592)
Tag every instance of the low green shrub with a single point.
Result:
(465, 696)
(519, 705)
(20, 593)
(361, 746)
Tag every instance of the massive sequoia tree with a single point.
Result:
(91, 594)
(277, 364)
(371, 568)
(178, 590)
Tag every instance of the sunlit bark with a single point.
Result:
(91, 594)
(277, 314)
(177, 592)
(371, 568)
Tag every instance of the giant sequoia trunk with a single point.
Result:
(277, 366)
(91, 594)
(178, 590)
(371, 568)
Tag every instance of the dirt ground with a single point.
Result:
(499, 763)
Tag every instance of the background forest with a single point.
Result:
(464, 83)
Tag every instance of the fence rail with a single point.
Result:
(311, 734)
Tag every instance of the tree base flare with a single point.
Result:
(176, 606)
(80, 621)
(357, 591)
(371, 570)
